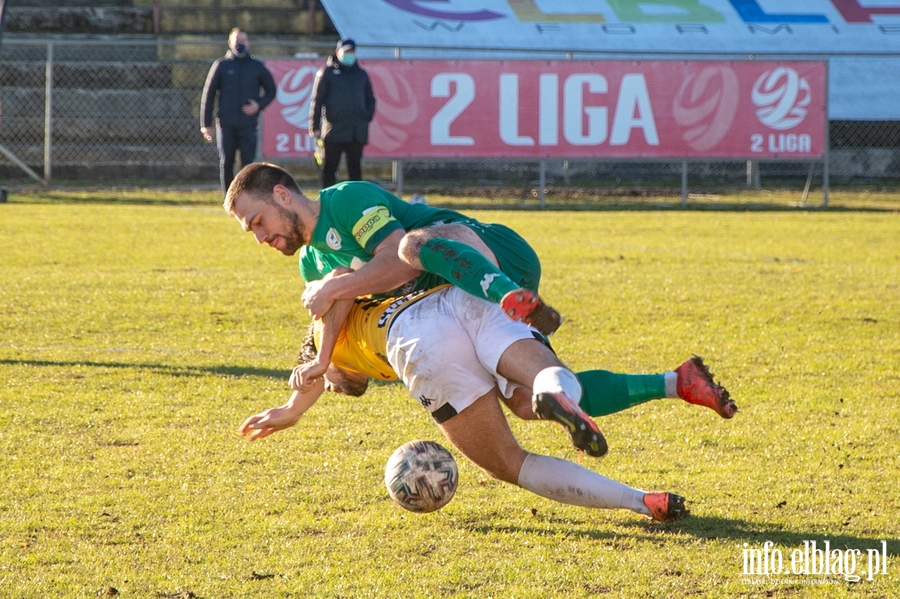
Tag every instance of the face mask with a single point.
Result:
(240, 49)
(348, 59)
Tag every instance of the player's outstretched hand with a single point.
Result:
(265, 423)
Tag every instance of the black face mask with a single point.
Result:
(240, 49)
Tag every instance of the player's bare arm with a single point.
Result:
(330, 325)
(272, 420)
(384, 272)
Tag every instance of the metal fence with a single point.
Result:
(128, 109)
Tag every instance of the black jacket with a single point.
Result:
(236, 80)
(343, 103)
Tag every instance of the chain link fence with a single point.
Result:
(128, 110)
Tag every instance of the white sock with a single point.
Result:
(671, 379)
(557, 380)
(567, 482)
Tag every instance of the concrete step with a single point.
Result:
(272, 17)
(268, 21)
(54, 4)
(79, 19)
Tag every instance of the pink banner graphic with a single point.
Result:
(570, 109)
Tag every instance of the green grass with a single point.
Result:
(138, 328)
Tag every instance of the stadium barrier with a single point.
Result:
(128, 109)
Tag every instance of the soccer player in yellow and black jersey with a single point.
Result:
(458, 355)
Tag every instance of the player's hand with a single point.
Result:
(315, 133)
(316, 299)
(305, 376)
(206, 134)
(250, 108)
(265, 423)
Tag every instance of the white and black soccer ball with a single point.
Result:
(421, 476)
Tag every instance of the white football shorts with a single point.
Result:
(446, 347)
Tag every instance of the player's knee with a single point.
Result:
(410, 246)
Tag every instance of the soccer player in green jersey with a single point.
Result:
(394, 246)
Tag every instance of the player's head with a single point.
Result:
(337, 379)
(239, 41)
(261, 198)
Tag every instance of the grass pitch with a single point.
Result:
(139, 328)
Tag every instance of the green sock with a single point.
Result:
(610, 392)
(465, 267)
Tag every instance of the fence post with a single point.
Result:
(48, 115)
(397, 171)
(684, 187)
(542, 181)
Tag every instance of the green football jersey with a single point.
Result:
(354, 217)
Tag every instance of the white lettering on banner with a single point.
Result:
(302, 143)
(440, 123)
(782, 143)
(633, 110)
(574, 110)
(509, 112)
(548, 128)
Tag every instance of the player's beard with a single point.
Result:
(295, 237)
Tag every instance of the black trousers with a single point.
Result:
(230, 141)
(333, 150)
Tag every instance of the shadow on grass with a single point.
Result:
(755, 534)
(166, 369)
(600, 200)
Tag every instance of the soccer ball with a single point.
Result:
(421, 476)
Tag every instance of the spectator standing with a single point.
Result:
(244, 87)
(343, 105)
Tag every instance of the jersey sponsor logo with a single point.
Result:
(372, 221)
(333, 239)
(397, 304)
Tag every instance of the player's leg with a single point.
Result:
(610, 392)
(493, 263)
(482, 434)
(226, 141)
(330, 163)
(605, 392)
(353, 153)
(556, 390)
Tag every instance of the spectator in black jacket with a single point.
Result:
(244, 86)
(342, 107)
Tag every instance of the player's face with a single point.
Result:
(338, 380)
(271, 223)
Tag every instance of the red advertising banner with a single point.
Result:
(571, 109)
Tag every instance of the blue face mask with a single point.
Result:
(240, 49)
(348, 59)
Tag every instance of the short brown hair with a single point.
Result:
(258, 179)
(308, 351)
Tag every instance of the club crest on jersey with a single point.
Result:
(333, 239)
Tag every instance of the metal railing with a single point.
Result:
(129, 108)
